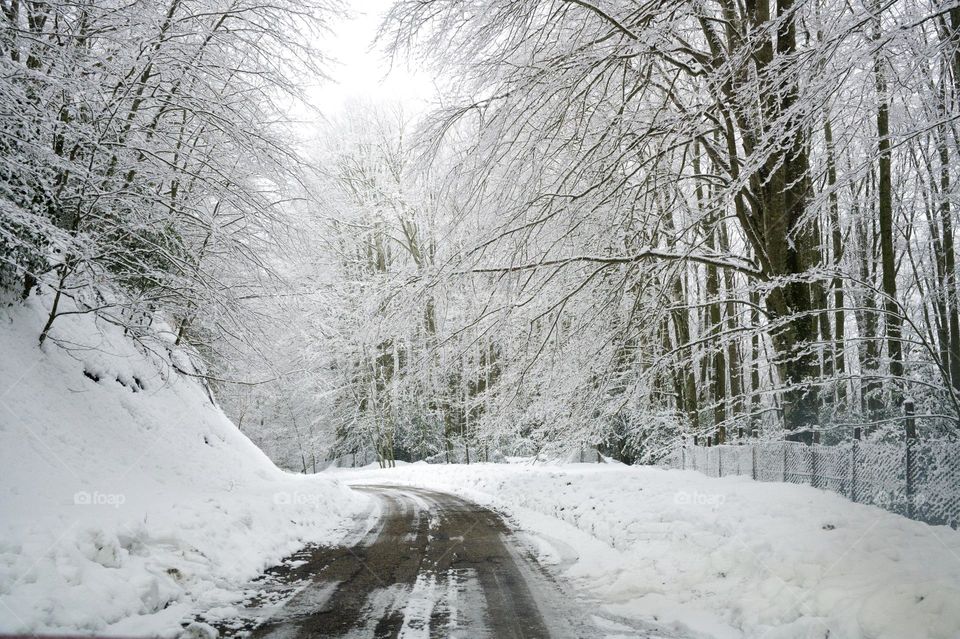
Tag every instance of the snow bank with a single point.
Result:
(720, 558)
(127, 499)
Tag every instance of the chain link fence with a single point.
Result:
(917, 479)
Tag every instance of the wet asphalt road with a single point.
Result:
(434, 566)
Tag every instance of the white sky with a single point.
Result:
(362, 72)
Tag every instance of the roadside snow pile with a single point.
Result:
(720, 558)
(127, 499)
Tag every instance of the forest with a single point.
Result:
(624, 223)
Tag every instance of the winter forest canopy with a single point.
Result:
(623, 222)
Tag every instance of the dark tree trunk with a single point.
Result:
(949, 262)
(892, 320)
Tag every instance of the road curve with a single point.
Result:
(435, 566)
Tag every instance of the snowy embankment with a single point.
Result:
(719, 558)
(127, 499)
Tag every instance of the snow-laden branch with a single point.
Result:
(733, 263)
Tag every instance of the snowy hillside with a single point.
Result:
(719, 558)
(127, 499)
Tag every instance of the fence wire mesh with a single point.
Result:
(920, 480)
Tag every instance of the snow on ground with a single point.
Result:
(718, 558)
(123, 509)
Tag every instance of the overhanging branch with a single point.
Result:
(734, 263)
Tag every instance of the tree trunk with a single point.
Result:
(949, 260)
(734, 372)
(756, 399)
(892, 320)
(867, 321)
(836, 237)
(714, 325)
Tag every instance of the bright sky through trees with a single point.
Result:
(362, 71)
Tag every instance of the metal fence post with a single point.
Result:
(813, 458)
(909, 421)
(719, 461)
(853, 464)
(785, 461)
(910, 432)
(753, 461)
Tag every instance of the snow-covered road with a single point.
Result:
(434, 565)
